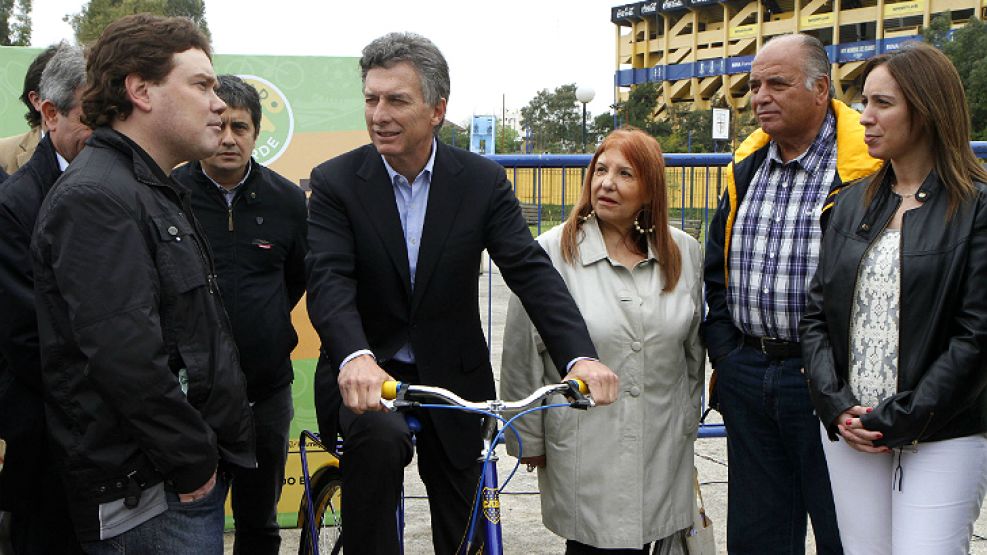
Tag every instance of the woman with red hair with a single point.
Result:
(616, 479)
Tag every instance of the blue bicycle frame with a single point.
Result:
(490, 491)
(487, 498)
(487, 503)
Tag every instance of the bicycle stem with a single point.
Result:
(488, 434)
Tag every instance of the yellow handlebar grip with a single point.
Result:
(583, 388)
(389, 390)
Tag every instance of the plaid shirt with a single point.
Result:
(775, 245)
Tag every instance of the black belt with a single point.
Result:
(774, 348)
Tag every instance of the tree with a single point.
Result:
(15, 22)
(192, 9)
(554, 120)
(679, 129)
(455, 135)
(97, 14)
(965, 48)
(601, 126)
(507, 139)
(937, 33)
(693, 129)
(639, 111)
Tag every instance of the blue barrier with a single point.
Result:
(541, 160)
(711, 430)
(672, 160)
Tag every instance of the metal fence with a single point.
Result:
(547, 186)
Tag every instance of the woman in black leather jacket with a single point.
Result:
(894, 336)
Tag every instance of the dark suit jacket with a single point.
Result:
(359, 286)
(22, 414)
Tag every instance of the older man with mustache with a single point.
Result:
(762, 250)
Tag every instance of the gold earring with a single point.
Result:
(637, 225)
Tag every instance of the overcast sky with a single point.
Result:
(494, 48)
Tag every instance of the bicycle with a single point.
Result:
(325, 538)
(323, 526)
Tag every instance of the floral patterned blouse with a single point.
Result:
(874, 322)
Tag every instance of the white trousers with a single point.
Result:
(942, 486)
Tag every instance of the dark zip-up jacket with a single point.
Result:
(259, 246)
(22, 415)
(942, 345)
(127, 299)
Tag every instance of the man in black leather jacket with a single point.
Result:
(145, 399)
(254, 220)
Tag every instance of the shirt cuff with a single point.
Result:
(568, 367)
(356, 354)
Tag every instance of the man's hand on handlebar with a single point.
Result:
(359, 382)
(603, 384)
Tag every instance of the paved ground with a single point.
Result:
(521, 513)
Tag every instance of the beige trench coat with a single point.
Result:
(15, 151)
(617, 476)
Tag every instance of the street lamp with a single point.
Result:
(585, 95)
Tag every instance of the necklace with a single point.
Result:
(894, 189)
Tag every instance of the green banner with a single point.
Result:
(312, 105)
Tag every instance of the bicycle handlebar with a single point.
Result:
(403, 394)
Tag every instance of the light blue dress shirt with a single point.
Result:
(412, 202)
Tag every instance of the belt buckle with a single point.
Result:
(765, 342)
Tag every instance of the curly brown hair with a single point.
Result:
(143, 44)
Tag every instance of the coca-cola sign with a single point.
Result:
(623, 13)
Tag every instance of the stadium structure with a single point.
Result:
(701, 51)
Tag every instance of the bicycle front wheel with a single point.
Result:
(329, 518)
